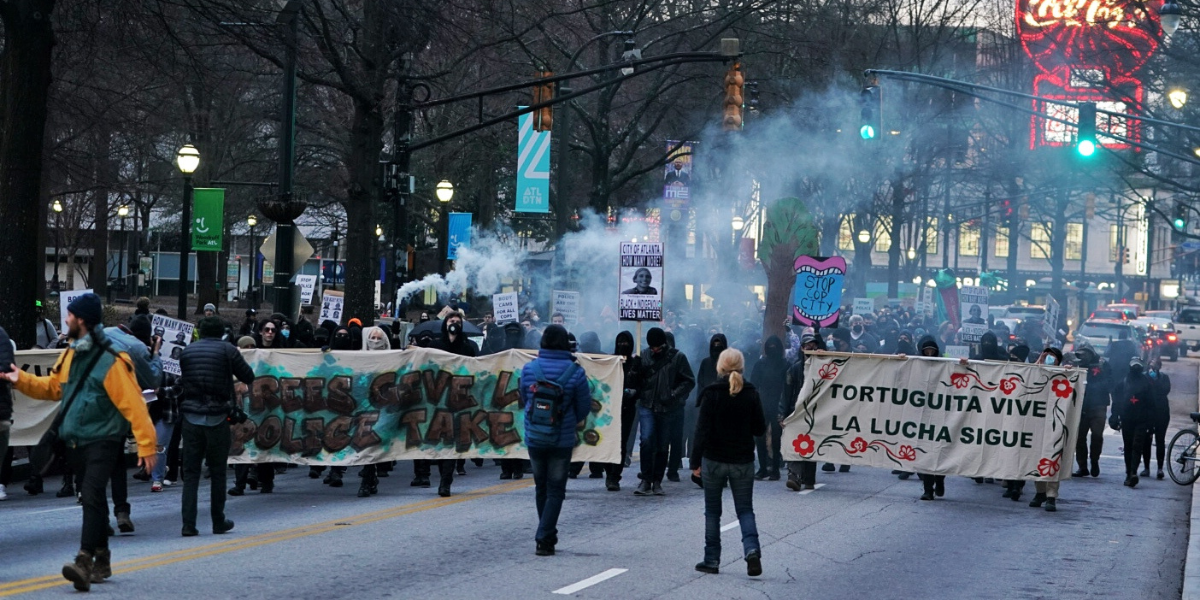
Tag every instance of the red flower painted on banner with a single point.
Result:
(1008, 386)
(857, 446)
(803, 444)
(1061, 388)
(1047, 467)
(907, 452)
(960, 380)
(828, 371)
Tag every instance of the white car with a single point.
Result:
(1101, 333)
(1187, 325)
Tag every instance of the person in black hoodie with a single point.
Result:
(1096, 398)
(707, 375)
(802, 474)
(453, 341)
(1162, 417)
(989, 348)
(629, 397)
(512, 338)
(1133, 415)
(769, 376)
(933, 485)
(667, 382)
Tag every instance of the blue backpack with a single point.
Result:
(544, 415)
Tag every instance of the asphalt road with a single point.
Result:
(863, 534)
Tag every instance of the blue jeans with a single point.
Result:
(164, 430)
(741, 484)
(655, 430)
(550, 479)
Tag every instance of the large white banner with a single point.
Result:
(937, 416)
(31, 418)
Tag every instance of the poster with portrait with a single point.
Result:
(641, 281)
(973, 305)
(677, 174)
(176, 335)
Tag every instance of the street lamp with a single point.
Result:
(445, 190)
(334, 270)
(123, 211)
(252, 221)
(738, 223)
(1178, 98)
(864, 236)
(1169, 14)
(57, 207)
(378, 231)
(188, 160)
(912, 254)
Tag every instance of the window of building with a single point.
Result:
(1113, 243)
(968, 240)
(1073, 248)
(845, 239)
(1001, 244)
(1039, 238)
(883, 234)
(931, 236)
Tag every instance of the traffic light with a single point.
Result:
(1179, 222)
(1006, 209)
(1125, 254)
(543, 118)
(871, 102)
(1085, 141)
(734, 83)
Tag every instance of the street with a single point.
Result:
(862, 534)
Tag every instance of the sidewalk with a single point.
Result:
(1191, 565)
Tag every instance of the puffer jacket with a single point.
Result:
(666, 380)
(208, 367)
(577, 395)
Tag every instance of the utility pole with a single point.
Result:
(285, 227)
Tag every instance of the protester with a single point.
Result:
(769, 376)
(1096, 398)
(1162, 417)
(47, 335)
(101, 400)
(731, 416)
(513, 339)
(7, 348)
(453, 341)
(932, 485)
(374, 340)
(1047, 491)
(629, 396)
(802, 474)
(1133, 415)
(555, 396)
(208, 367)
(666, 382)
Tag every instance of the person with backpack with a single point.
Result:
(555, 396)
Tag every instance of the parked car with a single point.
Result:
(1187, 325)
(1101, 333)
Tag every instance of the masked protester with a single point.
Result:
(904, 343)
(512, 338)
(667, 382)
(769, 376)
(1133, 415)
(1095, 409)
(1162, 417)
(989, 348)
(629, 412)
(707, 374)
(932, 485)
(1047, 491)
(453, 341)
(102, 400)
(802, 474)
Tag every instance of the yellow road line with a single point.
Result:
(129, 566)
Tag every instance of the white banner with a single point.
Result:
(31, 418)
(307, 285)
(64, 298)
(937, 416)
(176, 335)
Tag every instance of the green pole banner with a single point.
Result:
(208, 219)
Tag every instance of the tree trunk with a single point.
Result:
(897, 221)
(24, 87)
(361, 263)
(102, 169)
(781, 276)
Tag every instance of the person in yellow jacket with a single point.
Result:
(98, 385)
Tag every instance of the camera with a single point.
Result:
(236, 415)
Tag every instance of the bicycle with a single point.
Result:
(1184, 446)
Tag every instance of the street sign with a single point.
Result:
(1190, 246)
(208, 216)
(301, 250)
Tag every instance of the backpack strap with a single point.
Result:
(565, 378)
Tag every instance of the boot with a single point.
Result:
(80, 571)
(1095, 467)
(612, 485)
(102, 565)
(1051, 505)
(1082, 471)
(793, 483)
(673, 475)
(237, 490)
(34, 487)
(1145, 472)
(444, 489)
(773, 475)
(1159, 475)
(1037, 501)
(939, 487)
(124, 523)
(67, 490)
(843, 468)
(643, 488)
(828, 467)
(315, 472)
(334, 479)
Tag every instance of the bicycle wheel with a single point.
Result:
(1181, 463)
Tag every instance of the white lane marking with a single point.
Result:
(50, 510)
(589, 582)
(729, 526)
(815, 488)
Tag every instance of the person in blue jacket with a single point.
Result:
(564, 389)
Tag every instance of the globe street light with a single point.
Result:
(738, 223)
(445, 190)
(1169, 15)
(57, 207)
(252, 221)
(912, 254)
(1178, 98)
(864, 236)
(188, 160)
(123, 211)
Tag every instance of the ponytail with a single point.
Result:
(731, 363)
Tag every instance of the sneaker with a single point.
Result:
(754, 563)
(168, 482)
(794, 484)
(157, 486)
(4, 492)
(657, 490)
(1145, 472)
(927, 496)
(810, 486)
(673, 476)
(643, 489)
(544, 549)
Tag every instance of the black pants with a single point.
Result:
(264, 474)
(120, 485)
(1091, 428)
(675, 439)
(1159, 434)
(424, 467)
(768, 446)
(629, 417)
(1134, 435)
(94, 462)
(805, 471)
(928, 481)
(201, 443)
(174, 456)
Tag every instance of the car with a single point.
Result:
(997, 312)
(1187, 325)
(1025, 312)
(1109, 314)
(1132, 310)
(1101, 333)
(1160, 314)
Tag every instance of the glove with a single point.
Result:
(1115, 422)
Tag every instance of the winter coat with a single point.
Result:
(667, 380)
(148, 367)
(769, 377)
(1134, 400)
(707, 375)
(577, 398)
(7, 353)
(208, 367)
(1099, 389)
(1162, 403)
(727, 425)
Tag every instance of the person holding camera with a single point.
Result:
(207, 368)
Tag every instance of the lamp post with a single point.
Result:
(864, 236)
(188, 160)
(123, 212)
(444, 192)
(334, 270)
(375, 255)
(57, 207)
(252, 221)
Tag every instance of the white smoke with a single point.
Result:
(481, 267)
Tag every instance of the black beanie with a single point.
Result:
(87, 308)
(211, 327)
(656, 337)
(555, 338)
(141, 328)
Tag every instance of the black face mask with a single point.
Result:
(454, 328)
(857, 328)
(624, 349)
(1135, 370)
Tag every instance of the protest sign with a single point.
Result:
(973, 306)
(504, 307)
(817, 294)
(176, 335)
(864, 306)
(677, 174)
(332, 303)
(566, 303)
(1050, 324)
(641, 266)
(358, 408)
(307, 285)
(954, 351)
(937, 416)
(65, 298)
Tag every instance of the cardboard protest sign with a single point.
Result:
(937, 416)
(864, 306)
(817, 293)
(641, 266)
(176, 335)
(307, 285)
(504, 307)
